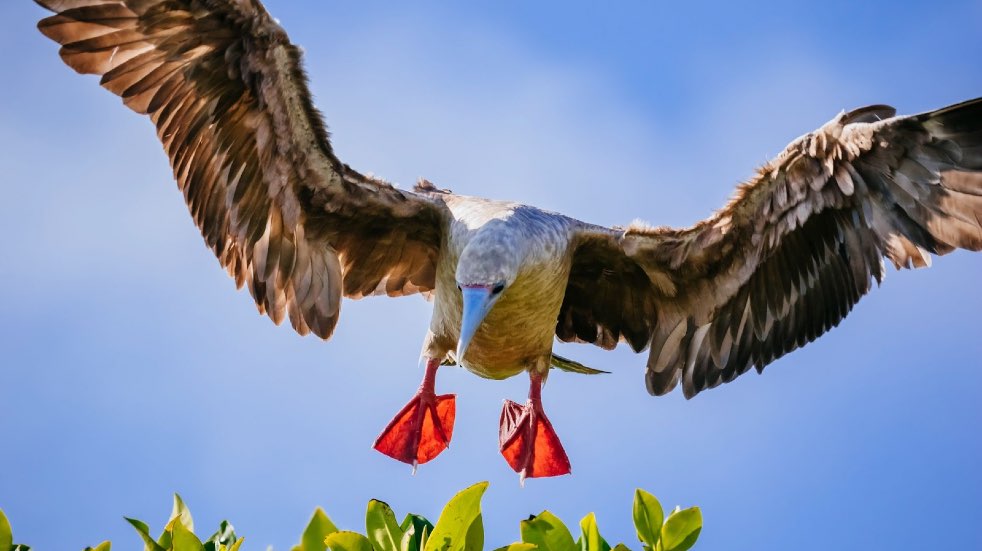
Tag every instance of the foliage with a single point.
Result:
(459, 528)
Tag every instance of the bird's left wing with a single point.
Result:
(792, 252)
(225, 89)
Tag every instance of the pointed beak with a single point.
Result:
(477, 303)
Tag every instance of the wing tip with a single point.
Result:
(869, 113)
(660, 383)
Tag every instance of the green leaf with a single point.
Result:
(225, 535)
(415, 530)
(7, 536)
(547, 532)
(621, 547)
(104, 546)
(6, 533)
(317, 529)
(381, 527)
(474, 540)
(518, 546)
(184, 539)
(591, 539)
(179, 515)
(222, 538)
(236, 545)
(347, 541)
(681, 529)
(648, 517)
(459, 526)
(149, 544)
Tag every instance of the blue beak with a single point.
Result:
(477, 303)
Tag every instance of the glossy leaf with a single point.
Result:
(590, 540)
(518, 546)
(180, 514)
(415, 531)
(474, 540)
(621, 547)
(460, 523)
(648, 517)
(381, 527)
(149, 544)
(319, 527)
(681, 529)
(348, 541)
(104, 546)
(184, 539)
(547, 532)
(6, 533)
(225, 535)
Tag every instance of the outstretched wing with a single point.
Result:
(226, 91)
(792, 252)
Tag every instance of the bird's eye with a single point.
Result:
(498, 288)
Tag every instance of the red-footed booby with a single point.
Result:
(781, 264)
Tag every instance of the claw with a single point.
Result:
(527, 440)
(423, 428)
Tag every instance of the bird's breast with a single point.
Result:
(519, 330)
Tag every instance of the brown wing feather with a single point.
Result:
(607, 299)
(225, 89)
(799, 245)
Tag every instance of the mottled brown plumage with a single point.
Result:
(225, 89)
(781, 264)
(798, 245)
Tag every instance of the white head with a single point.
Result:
(487, 266)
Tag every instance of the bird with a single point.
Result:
(783, 262)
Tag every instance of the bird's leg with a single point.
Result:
(422, 429)
(527, 439)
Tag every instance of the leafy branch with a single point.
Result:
(459, 528)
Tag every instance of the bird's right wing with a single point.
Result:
(792, 252)
(225, 89)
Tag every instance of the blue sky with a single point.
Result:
(131, 367)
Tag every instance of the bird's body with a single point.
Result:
(513, 337)
(782, 263)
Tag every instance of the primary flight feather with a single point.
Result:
(781, 264)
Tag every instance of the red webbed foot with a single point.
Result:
(423, 428)
(527, 440)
